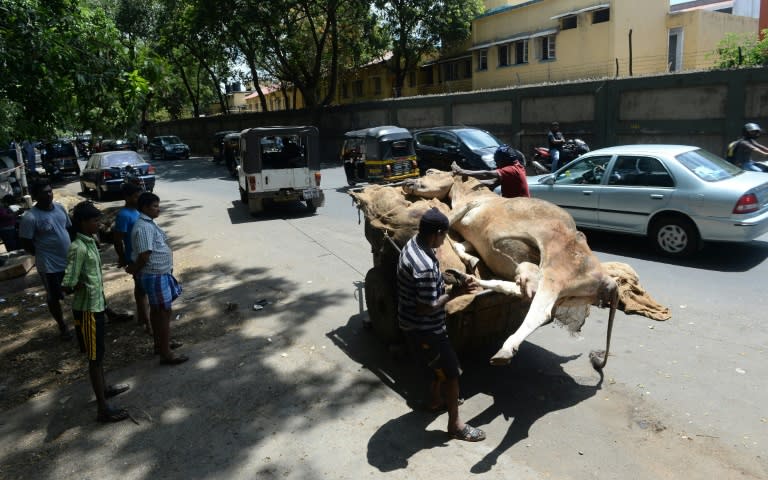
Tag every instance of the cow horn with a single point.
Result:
(599, 359)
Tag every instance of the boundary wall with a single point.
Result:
(706, 109)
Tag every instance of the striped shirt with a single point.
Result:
(419, 281)
(84, 266)
(147, 236)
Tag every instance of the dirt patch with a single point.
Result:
(37, 360)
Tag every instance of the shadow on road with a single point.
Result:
(716, 256)
(534, 385)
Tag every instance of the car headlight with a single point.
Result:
(489, 161)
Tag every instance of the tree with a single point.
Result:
(421, 27)
(742, 50)
(64, 68)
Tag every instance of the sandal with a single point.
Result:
(174, 360)
(468, 434)
(111, 415)
(115, 390)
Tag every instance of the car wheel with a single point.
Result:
(99, 193)
(83, 189)
(243, 195)
(311, 206)
(675, 236)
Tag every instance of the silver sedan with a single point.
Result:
(679, 196)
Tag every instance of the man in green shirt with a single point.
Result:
(83, 278)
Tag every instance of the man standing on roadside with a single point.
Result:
(421, 314)
(510, 173)
(82, 277)
(153, 263)
(43, 232)
(124, 222)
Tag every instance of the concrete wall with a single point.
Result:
(704, 108)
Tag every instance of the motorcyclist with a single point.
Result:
(740, 150)
(556, 142)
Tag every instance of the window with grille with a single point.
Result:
(548, 47)
(569, 22)
(600, 16)
(468, 68)
(377, 85)
(451, 71)
(358, 88)
(521, 52)
(482, 60)
(412, 79)
(503, 55)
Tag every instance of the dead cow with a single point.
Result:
(534, 243)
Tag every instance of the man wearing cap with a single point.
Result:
(510, 173)
(421, 312)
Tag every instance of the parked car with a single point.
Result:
(216, 144)
(471, 148)
(676, 195)
(116, 145)
(230, 152)
(106, 172)
(167, 146)
(60, 158)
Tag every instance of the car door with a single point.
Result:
(577, 188)
(638, 186)
(427, 152)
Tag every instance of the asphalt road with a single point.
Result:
(680, 399)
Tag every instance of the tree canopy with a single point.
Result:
(109, 66)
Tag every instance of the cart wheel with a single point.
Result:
(382, 305)
(311, 206)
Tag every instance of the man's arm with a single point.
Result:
(27, 233)
(141, 261)
(118, 240)
(486, 177)
(75, 261)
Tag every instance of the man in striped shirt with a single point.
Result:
(153, 263)
(421, 313)
(83, 278)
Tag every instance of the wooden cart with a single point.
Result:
(488, 320)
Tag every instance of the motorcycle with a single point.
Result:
(542, 163)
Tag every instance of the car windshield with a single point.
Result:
(61, 149)
(476, 139)
(171, 140)
(118, 160)
(708, 166)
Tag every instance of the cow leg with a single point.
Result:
(501, 286)
(461, 249)
(538, 314)
(528, 277)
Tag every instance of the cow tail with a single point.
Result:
(599, 359)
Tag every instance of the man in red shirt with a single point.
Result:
(510, 173)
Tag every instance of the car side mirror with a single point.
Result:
(547, 180)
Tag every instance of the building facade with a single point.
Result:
(538, 41)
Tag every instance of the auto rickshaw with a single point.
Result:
(379, 155)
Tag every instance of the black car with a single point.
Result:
(167, 146)
(60, 158)
(117, 145)
(216, 144)
(106, 172)
(471, 148)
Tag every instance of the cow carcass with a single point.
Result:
(534, 244)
